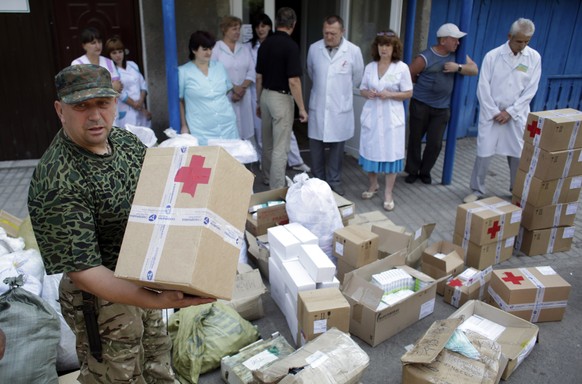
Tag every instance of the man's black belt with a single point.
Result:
(279, 91)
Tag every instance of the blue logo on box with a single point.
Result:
(152, 217)
(150, 275)
(206, 220)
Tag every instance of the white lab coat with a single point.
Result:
(331, 102)
(383, 123)
(506, 82)
(240, 66)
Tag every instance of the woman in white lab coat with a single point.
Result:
(385, 85)
(239, 65)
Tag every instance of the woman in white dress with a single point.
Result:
(92, 44)
(239, 65)
(385, 85)
(131, 107)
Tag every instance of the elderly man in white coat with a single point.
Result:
(509, 79)
(335, 67)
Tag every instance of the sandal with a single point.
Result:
(389, 206)
(368, 195)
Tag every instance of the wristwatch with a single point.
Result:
(460, 68)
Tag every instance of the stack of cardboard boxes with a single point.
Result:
(486, 229)
(297, 268)
(549, 180)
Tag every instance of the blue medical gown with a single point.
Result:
(208, 112)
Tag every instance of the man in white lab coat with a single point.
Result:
(509, 79)
(336, 67)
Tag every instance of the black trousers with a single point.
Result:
(432, 122)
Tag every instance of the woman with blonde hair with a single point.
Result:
(239, 65)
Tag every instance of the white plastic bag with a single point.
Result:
(178, 140)
(310, 202)
(242, 150)
(146, 135)
(27, 263)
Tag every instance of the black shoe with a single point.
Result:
(338, 189)
(426, 179)
(411, 178)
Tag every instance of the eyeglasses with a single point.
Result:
(387, 34)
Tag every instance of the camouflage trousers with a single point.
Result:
(135, 343)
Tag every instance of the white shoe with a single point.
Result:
(301, 168)
(471, 198)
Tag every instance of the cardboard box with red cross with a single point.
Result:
(535, 294)
(472, 284)
(186, 226)
(487, 221)
(554, 130)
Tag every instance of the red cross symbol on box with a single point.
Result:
(533, 129)
(456, 283)
(193, 175)
(492, 231)
(511, 278)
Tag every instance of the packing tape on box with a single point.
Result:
(167, 215)
(525, 351)
(568, 164)
(572, 142)
(480, 277)
(483, 207)
(536, 307)
(530, 172)
(536, 139)
(558, 190)
(552, 241)
(557, 215)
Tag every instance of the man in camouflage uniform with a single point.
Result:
(79, 201)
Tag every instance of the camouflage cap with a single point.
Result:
(83, 82)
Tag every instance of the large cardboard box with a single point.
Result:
(535, 294)
(237, 369)
(333, 357)
(555, 215)
(185, 228)
(375, 326)
(355, 245)
(554, 130)
(483, 256)
(320, 310)
(394, 238)
(540, 193)
(429, 362)
(516, 336)
(263, 218)
(550, 165)
(467, 286)
(443, 259)
(488, 220)
(542, 241)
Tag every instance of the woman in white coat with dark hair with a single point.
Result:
(385, 85)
